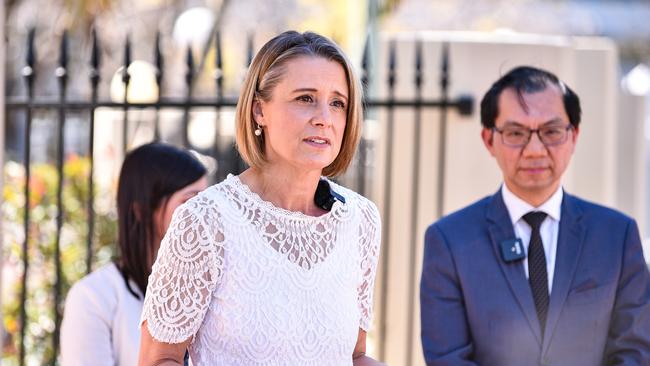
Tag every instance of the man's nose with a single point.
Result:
(535, 146)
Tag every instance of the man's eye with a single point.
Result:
(515, 133)
(550, 132)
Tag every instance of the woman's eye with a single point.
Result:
(305, 98)
(338, 104)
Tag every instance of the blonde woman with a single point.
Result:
(275, 266)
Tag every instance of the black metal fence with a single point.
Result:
(358, 177)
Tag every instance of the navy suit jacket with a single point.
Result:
(477, 309)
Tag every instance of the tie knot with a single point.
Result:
(535, 218)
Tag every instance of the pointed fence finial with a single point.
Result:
(365, 65)
(392, 63)
(61, 71)
(218, 63)
(30, 59)
(126, 78)
(158, 59)
(189, 63)
(418, 64)
(95, 61)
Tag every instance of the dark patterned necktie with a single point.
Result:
(537, 276)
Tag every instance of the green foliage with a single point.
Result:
(41, 276)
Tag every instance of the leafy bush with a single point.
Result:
(39, 306)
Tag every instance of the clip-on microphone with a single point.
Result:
(512, 250)
(325, 196)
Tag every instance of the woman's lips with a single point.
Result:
(317, 141)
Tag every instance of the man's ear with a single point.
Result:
(574, 135)
(487, 135)
(258, 115)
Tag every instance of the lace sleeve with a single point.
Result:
(188, 267)
(370, 235)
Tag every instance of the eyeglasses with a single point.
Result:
(520, 136)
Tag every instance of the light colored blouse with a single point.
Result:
(101, 321)
(254, 284)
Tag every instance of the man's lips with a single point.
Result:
(534, 169)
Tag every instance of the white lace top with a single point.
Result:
(255, 284)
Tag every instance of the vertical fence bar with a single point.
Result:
(249, 49)
(160, 71)
(415, 189)
(442, 132)
(126, 79)
(392, 65)
(61, 74)
(3, 125)
(218, 79)
(218, 63)
(238, 163)
(29, 73)
(189, 78)
(363, 143)
(90, 208)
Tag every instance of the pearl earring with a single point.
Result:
(258, 131)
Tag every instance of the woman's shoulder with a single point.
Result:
(100, 286)
(100, 277)
(205, 204)
(211, 197)
(357, 201)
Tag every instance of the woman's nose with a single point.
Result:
(322, 116)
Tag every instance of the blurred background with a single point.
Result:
(85, 81)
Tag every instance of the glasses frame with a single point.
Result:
(530, 135)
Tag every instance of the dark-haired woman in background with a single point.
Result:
(102, 311)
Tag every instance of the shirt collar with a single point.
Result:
(517, 207)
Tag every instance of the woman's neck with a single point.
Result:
(286, 188)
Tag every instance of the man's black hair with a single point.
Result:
(525, 80)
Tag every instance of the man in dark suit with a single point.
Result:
(533, 275)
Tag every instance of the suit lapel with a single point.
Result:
(500, 228)
(569, 245)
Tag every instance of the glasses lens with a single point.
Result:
(553, 135)
(515, 136)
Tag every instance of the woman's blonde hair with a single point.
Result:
(266, 71)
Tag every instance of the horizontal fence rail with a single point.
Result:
(26, 106)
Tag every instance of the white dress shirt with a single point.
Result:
(517, 208)
(101, 321)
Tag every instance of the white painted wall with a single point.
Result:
(632, 180)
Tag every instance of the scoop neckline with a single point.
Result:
(270, 206)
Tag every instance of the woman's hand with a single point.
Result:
(359, 357)
(366, 361)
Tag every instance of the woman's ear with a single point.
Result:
(258, 115)
(137, 211)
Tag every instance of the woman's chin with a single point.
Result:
(314, 164)
(304, 163)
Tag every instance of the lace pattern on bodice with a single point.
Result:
(304, 240)
(255, 284)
